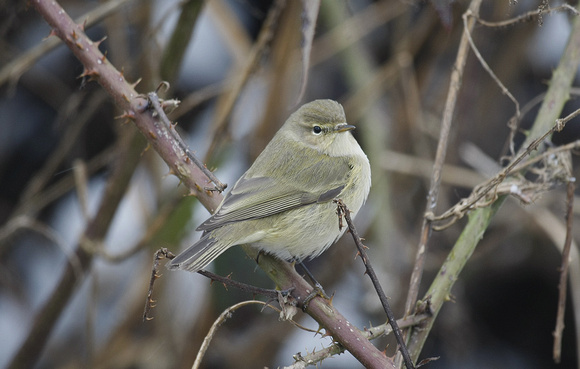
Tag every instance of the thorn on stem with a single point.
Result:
(99, 42)
(129, 115)
(136, 83)
(92, 74)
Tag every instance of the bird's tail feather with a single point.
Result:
(199, 255)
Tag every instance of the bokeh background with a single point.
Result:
(387, 62)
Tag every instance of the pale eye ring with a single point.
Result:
(317, 130)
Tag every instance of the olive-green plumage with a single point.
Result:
(283, 204)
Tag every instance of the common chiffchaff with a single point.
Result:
(283, 204)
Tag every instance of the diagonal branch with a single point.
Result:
(161, 137)
(456, 80)
(11, 72)
(562, 286)
(343, 211)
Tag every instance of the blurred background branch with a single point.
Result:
(84, 202)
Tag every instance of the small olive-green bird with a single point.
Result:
(283, 204)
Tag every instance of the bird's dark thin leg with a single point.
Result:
(318, 290)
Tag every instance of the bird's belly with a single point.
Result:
(296, 235)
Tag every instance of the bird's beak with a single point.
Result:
(344, 127)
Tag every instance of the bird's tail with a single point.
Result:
(199, 255)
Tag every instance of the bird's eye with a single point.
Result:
(316, 130)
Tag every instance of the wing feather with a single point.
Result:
(257, 195)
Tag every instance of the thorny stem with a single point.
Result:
(371, 333)
(97, 67)
(343, 211)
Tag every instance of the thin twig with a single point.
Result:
(538, 13)
(464, 205)
(525, 110)
(315, 357)
(513, 125)
(479, 219)
(575, 145)
(150, 303)
(562, 286)
(487, 68)
(226, 314)
(343, 211)
(81, 186)
(440, 289)
(164, 253)
(227, 281)
(456, 80)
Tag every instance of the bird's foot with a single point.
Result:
(318, 291)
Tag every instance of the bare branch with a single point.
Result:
(161, 138)
(562, 286)
(528, 16)
(455, 84)
(302, 361)
(487, 68)
(342, 211)
(226, 314)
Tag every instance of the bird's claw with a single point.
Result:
(318, 291)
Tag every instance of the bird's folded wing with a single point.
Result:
(260, 197)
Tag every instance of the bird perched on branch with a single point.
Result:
(283, 205)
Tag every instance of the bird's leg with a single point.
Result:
(312, 279)
(318, 290)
